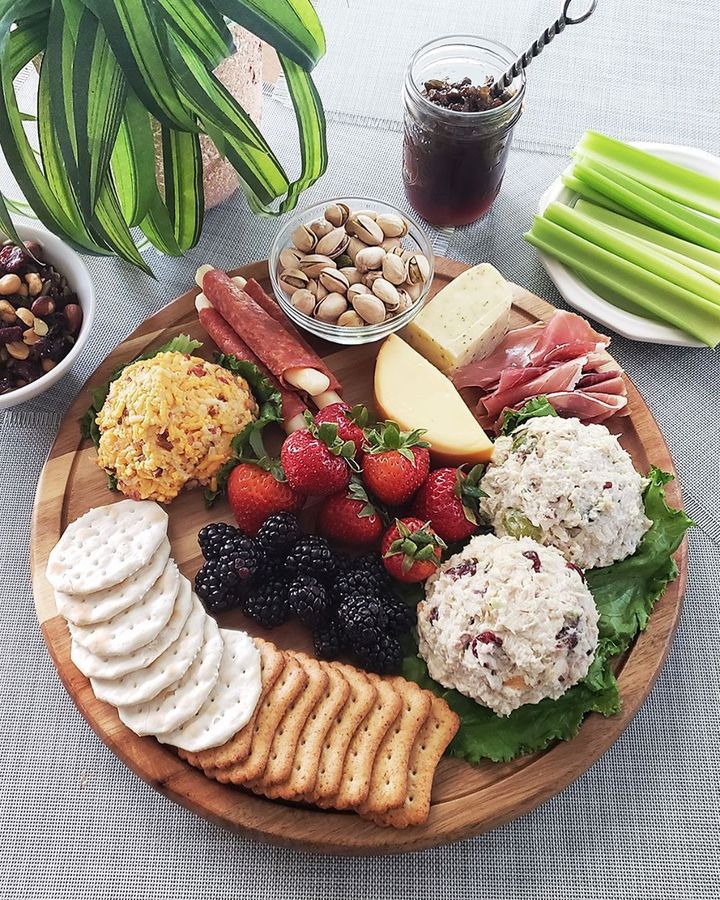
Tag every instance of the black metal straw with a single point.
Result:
(539, 45)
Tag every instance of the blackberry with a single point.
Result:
(385, 657)
(270, 567)
(213, 537)
(343, 564)
(362, 618)
(279, 532)
(267, 604)
(355, 582)
(328, 639)
(400, 617)
(308, 600)
(246, 554)
(312, 556)
(216, 584)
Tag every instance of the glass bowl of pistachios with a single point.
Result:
(351, 270)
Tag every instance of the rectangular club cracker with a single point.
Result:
(304, 770)
(237, 749)
(431, 742)
(287, 737)
(347, 721)
(280, 698)
(389, 779)
(360, 757)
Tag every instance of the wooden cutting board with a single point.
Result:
(466, 800)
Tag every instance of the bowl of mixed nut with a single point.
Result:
(351, 270)
(47, 305)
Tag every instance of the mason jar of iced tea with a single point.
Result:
(457, 134)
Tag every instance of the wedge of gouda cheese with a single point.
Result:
(412, 392)
(465, 321)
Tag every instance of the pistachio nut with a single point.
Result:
(293, 279)
(343, 260)
(356, 289)
(394, 269)
(337, 214)
(334, 280)
(391, 244)
(334, 243)
(353, 275)
(332, 306)
(412, 290)
(355, 245)
(369, 278)
(392, 225)
(369, 258)
(370, 213)
(303, 301)
(368, 230)
(304, 239)
(350, 319)
(418, 269)
(386, 291)
(370, 308)
(313, 264)
(405, 301)
(290, 257)
(320, 228)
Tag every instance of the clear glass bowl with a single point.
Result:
(415, 239)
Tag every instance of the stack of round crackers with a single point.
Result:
(141, 635)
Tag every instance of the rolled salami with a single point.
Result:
(229, 342)
(285, 354)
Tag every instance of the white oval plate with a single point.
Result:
(579, 296)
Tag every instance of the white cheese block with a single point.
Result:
(465, 321)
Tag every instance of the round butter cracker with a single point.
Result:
(106, 545)
(88, 609)
(231, 703)
(182, 700)
(144, 684)
(138, 624)
(94, 666)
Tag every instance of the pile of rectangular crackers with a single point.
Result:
(328, 734)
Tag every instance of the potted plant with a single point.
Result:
(115, 73)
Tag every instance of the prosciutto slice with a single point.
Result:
(565, 360)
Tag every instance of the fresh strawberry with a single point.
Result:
(316, 459)
(256, 490)
(350, 518)
(395, 463)
(411, 550)
(350, 422)
(449, 501)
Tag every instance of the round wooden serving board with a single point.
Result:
(466, 800)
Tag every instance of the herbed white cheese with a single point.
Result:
(507, 622)
(567, 485)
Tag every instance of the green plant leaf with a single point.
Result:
(109, 222)
(158, 228)
(311, 129)
(133, 161)
(291, 26)
(202, 26)
(6, 223)
(98, 101)
(137, 39)
(184, 195)
(25, 42)
(514, 418)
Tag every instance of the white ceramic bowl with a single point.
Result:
(416, 239)
(579, 295)
(69, 264)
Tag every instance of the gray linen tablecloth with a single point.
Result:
(643, 823)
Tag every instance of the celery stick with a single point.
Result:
(656, 208)
(701, 268)
(706, 261)
(618, 300)
(681, 308)
(684, 185)
(641, 253)
(584, 190)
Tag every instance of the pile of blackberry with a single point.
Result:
(347, 602)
